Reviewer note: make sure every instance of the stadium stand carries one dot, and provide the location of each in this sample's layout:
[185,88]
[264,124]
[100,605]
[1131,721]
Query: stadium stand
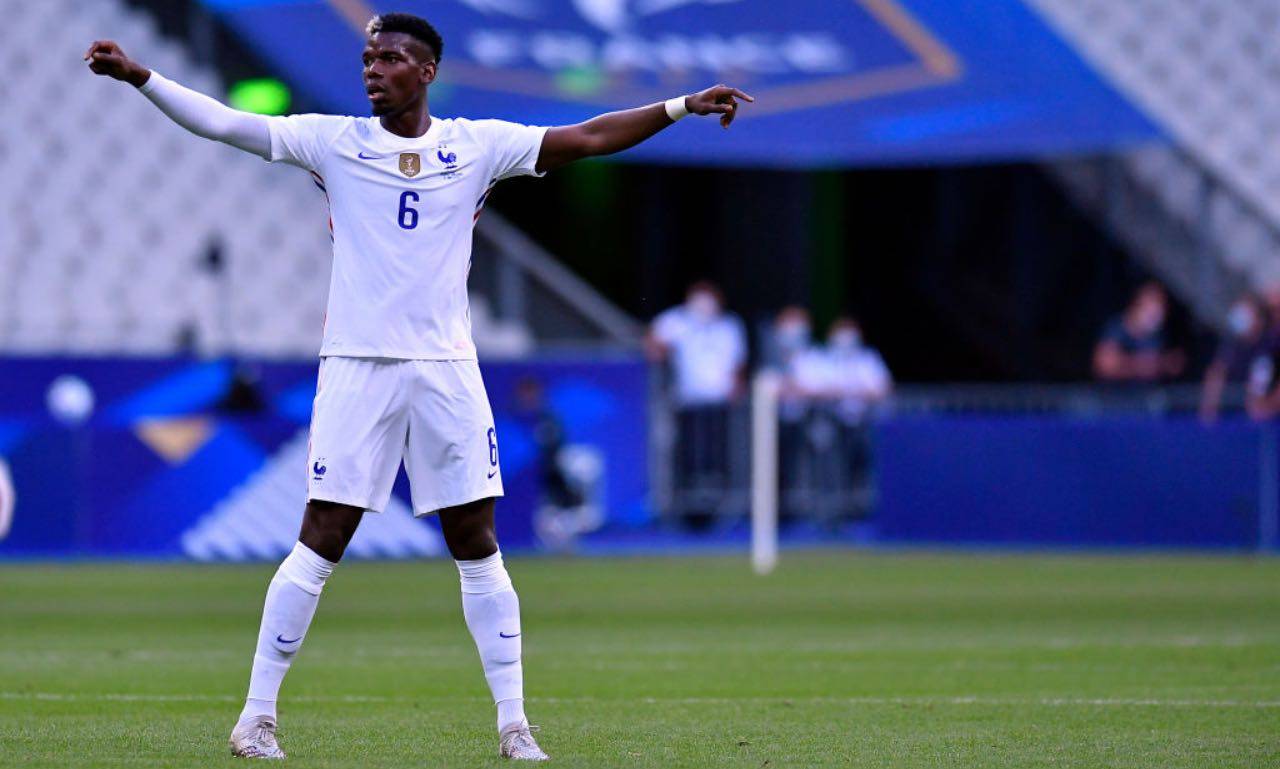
[133,237]
[98,277]
[1205,70]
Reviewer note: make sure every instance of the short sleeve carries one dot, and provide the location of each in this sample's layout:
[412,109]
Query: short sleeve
[304,140]
[513,149]
[880,376]
[667,326]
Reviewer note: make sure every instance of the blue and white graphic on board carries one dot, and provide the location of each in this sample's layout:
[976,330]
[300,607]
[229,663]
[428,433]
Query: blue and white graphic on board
[836,81]
[260,519]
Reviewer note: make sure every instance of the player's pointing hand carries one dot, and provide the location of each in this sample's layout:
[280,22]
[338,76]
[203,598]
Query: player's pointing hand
[105,57]
[717,100]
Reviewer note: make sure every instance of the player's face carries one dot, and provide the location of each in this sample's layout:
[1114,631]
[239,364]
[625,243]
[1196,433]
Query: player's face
[397,70]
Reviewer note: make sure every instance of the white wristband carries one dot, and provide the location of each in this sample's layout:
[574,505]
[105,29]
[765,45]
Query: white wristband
[676,108]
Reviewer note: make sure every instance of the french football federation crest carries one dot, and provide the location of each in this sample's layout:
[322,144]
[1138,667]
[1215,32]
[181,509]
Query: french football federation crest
[410,163]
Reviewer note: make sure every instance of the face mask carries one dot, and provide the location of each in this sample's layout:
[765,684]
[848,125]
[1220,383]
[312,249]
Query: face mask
[704,306]
[846,339]
[1240,321]
[793,334]
[1150,320]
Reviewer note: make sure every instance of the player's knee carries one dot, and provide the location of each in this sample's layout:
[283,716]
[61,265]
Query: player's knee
[474,546]
[327,528]
[471,542]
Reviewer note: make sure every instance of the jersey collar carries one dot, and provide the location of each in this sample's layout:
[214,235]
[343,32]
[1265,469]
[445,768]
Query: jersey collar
[406,142]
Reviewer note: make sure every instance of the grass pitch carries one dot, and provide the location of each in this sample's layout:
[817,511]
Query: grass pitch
[839,659]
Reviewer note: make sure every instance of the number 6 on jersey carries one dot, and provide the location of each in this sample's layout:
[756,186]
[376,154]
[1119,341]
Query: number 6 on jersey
[408,216]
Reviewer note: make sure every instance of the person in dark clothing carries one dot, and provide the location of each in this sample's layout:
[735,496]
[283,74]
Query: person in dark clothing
[548,433]
[1132,348]
[1246,338]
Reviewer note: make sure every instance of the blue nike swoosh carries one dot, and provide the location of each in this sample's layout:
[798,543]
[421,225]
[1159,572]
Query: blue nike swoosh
[363,156]
[495,472]
[281,639]
[504,635]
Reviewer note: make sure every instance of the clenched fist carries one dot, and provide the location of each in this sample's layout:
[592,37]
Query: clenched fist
[107,58]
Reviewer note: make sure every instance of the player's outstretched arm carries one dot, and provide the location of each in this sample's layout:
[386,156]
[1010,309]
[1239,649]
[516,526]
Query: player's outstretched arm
[617,131]
[190,109]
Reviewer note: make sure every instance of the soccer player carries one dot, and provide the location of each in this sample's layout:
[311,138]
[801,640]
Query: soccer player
[398,375]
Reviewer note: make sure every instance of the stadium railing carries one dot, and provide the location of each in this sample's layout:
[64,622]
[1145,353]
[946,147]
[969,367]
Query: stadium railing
[772,463]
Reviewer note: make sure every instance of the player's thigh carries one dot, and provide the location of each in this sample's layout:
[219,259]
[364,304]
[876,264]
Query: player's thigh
[358,430]
[452,452]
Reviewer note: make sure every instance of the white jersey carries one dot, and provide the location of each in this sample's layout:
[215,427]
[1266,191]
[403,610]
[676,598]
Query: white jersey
[402,212]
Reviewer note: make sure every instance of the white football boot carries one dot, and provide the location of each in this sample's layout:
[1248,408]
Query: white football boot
[255,738]
[516,741]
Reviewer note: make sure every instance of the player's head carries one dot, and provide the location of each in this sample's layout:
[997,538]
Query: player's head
[400,59]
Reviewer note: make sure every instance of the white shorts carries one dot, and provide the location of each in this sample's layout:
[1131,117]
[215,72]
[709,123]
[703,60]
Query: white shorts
[370,413]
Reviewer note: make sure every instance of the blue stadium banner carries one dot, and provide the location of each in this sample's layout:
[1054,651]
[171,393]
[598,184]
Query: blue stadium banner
[152,461]
[838,82]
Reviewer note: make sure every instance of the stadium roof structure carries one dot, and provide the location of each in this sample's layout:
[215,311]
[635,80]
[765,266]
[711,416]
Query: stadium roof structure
[838,82]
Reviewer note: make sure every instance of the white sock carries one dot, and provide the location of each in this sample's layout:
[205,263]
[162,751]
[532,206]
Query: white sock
[292,597]
[492,611]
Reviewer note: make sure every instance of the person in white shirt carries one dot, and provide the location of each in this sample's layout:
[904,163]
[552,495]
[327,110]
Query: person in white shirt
[787,346]
[857,382]
[398,374]
[843,381]
[706,348]
[856,376]
[788,336]
[705,345]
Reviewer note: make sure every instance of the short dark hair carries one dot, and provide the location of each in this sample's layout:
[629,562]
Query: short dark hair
[414,26]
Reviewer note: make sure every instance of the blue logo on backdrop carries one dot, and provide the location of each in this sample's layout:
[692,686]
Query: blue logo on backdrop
[879,81]
[817,53]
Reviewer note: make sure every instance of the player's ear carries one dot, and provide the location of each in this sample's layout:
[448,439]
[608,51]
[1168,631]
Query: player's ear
[428,75]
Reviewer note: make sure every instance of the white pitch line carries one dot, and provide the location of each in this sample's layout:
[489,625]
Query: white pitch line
[927,701]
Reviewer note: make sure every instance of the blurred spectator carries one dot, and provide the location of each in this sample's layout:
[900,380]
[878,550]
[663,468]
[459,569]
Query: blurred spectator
[1237,350]
[567,475]
[706,348]
[860,382]
[1132,347]
[1262,390]
[244,392]
[787,341]
[788,335]
[844,380]
[548,434]
[859,379]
